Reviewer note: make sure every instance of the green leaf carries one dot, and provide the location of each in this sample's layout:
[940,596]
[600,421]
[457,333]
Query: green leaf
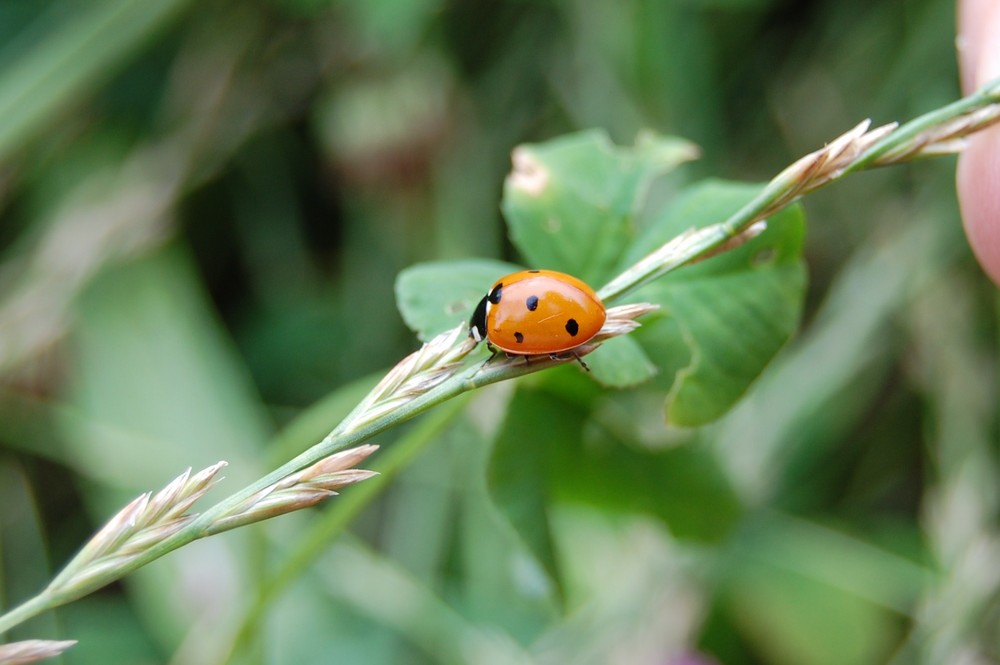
[518,472]
[620,363]
[157,386]
[839,628]
[437,296]
[549,450]
[314,422]
[855,591]
[729,314]
[569,202]
[45,76]
[24,544]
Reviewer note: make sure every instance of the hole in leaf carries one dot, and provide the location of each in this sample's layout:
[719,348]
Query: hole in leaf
[764,257]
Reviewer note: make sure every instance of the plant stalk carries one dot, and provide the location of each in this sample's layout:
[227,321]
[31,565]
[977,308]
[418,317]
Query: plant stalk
[26,610]
[685,249]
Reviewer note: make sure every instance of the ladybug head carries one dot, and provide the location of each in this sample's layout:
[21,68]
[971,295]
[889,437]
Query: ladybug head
[477,324]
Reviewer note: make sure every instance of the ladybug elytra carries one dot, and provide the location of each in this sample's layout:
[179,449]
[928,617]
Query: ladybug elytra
[536,312]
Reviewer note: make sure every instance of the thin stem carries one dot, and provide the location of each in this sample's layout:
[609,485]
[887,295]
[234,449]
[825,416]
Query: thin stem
[316,540]
[26,610]
[987,95]
[789,186]
[472,377]
[855,151]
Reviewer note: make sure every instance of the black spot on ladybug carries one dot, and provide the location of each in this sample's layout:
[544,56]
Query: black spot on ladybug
[532,303]
[572,327]
[518,337]
[495,294]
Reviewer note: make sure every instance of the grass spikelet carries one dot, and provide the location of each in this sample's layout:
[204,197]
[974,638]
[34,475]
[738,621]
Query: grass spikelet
[946,138]
[822,166]
[147,520]
[622,320]
[298,490]
[32,651]
[417,373]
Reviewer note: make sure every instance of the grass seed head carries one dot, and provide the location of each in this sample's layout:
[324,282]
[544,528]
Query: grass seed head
[31,651]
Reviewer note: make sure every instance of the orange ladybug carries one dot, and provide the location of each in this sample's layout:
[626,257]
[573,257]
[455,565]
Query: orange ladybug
[537,312]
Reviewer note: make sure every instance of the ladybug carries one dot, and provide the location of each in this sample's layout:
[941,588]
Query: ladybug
[536,312]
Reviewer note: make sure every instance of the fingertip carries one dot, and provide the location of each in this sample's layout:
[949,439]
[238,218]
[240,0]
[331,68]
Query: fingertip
[978,42]
[967,39]
[978,184]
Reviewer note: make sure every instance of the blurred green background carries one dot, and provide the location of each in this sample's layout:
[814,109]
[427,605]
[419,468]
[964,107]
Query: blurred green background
[203,208]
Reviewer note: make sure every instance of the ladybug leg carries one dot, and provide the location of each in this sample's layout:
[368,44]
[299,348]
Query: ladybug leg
[527,358]
[574,355]
[493,353]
